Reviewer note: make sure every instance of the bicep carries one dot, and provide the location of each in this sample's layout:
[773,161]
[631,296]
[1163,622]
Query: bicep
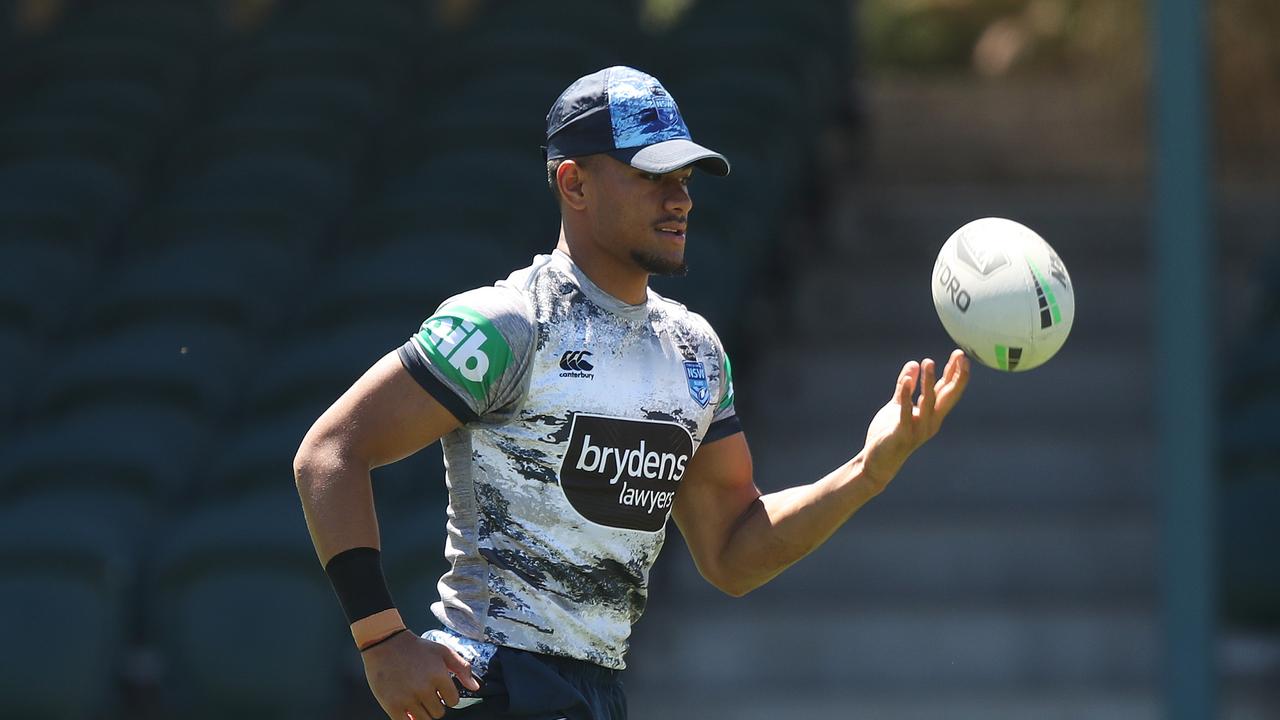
[716,493]
[383,417]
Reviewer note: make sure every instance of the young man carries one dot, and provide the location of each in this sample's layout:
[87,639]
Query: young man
[577,409]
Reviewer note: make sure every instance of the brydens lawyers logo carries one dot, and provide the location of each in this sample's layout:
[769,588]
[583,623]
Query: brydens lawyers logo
[624,473]
[575,364]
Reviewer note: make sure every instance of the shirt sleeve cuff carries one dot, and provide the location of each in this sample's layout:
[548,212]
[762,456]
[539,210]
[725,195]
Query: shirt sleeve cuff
[721,429]
[435,387]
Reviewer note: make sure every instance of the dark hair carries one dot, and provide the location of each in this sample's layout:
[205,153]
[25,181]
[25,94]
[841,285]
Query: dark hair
[553,166]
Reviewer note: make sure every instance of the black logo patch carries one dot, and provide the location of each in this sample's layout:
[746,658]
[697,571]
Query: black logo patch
[624,473]
[576,360]
[575,364]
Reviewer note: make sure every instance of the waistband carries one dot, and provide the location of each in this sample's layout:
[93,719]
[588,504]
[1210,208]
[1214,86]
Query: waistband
[568,666]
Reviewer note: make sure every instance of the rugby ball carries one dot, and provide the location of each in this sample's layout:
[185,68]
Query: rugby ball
[1003,294]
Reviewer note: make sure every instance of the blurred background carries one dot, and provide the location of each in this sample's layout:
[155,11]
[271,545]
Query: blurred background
[215,214]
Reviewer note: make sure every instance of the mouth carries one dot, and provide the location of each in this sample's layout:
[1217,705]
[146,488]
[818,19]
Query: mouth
[675,232]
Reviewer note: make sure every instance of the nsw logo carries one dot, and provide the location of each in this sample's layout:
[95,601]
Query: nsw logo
[624,473]
[574,363]
[696,374]
[984,261]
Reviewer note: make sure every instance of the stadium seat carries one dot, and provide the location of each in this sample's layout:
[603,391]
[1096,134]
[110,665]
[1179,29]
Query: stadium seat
[340,104]
[191,366]
[120,105]
[95,195]
[491,53]
[190,25]
[312,365]
[21,352]
[286,182]
[44,277]
[417,271]
[141,449]
[242,614]
[515,206]
[390,23]
[239,285]
[47,134]
[332,143]
[291,231]
[496,112]
[326,54]
[166,68]
[258,456]
[64,583]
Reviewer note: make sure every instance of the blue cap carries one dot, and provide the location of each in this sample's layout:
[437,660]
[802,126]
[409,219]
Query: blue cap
[627,114]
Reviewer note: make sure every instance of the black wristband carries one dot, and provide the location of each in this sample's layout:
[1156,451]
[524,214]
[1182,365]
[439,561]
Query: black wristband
[357,577]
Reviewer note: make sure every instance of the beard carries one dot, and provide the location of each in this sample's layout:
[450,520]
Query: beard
[658,265]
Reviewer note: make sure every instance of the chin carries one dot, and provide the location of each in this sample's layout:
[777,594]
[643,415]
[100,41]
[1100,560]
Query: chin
[659,265]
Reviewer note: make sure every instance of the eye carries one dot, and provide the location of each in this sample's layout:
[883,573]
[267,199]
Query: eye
[651,177]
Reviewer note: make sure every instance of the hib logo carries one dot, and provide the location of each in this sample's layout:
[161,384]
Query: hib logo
[624,473]
[983,261]
[465,347]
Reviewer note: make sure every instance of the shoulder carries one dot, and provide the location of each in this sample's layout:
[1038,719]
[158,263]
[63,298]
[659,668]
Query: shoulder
[681,317]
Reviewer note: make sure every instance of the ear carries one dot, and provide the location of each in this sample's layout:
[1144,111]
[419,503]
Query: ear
[569,178]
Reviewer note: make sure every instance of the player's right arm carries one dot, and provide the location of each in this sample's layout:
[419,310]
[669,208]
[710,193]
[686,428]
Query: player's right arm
[385,416]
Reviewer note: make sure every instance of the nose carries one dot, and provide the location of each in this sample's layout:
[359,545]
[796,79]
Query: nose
[678,200]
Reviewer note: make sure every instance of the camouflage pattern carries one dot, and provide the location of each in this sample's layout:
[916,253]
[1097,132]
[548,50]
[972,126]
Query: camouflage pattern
[530,571]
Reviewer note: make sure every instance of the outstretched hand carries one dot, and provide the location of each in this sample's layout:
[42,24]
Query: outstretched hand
[901,425]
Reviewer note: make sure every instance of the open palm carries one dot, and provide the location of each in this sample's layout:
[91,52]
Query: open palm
[901,425]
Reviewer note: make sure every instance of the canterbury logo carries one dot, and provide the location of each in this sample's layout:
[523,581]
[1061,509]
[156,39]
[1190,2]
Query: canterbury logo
[575,361]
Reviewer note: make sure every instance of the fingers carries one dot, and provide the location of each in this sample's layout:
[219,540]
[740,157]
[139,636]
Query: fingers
[448,692]
[906,387]
[927,391]
[430,708]
[955,380]
[461,669]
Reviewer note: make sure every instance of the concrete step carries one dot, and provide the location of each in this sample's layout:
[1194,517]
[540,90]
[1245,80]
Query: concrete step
[830,642]
[843,384]
[964,469]
[841,703]
[894,221]
[965,559]
[878,300]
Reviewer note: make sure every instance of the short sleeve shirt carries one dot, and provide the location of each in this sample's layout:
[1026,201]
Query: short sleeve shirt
[580,414]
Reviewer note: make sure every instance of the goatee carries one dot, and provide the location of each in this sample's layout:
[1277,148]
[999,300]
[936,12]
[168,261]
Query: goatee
[658,265]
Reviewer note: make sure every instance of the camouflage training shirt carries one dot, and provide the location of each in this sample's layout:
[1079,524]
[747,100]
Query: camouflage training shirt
[580,414]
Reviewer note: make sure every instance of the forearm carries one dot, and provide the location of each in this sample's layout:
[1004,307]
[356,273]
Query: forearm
[781,527]
[337,498]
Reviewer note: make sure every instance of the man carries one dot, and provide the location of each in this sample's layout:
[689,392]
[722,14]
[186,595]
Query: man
[577,410]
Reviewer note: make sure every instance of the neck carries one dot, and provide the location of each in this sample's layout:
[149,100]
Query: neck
[620,278]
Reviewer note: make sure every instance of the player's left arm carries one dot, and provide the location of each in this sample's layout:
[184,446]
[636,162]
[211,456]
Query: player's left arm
[741,539]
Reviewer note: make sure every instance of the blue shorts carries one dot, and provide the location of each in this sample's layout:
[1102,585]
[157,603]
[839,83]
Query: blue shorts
[521,684]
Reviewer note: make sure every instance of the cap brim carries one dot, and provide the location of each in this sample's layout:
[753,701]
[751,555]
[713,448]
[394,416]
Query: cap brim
[671,155]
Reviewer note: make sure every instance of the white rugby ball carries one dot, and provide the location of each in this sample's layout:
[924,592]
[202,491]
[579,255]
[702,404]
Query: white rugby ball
[1003,294]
